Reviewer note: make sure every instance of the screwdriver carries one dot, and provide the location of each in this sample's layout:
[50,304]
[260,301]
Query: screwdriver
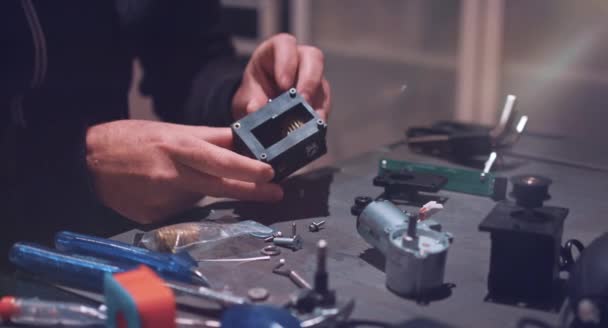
[179,267]
[36,312]
[88,273]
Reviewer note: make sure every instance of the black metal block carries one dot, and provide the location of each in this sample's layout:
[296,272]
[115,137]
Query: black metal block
[525,251]
[286,133]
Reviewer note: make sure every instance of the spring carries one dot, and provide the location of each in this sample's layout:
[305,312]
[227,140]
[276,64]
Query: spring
[171,237]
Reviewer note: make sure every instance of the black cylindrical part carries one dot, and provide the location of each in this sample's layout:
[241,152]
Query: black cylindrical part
[530,191]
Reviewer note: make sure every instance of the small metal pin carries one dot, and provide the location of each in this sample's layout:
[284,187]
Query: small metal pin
[322,256]
[488,165]
[315,226]
[292,92]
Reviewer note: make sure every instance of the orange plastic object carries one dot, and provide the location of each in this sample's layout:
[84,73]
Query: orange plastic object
[8,308]
[154,301]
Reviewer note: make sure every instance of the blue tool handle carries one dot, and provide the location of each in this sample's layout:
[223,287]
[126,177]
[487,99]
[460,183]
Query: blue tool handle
[169,266]
[62,268]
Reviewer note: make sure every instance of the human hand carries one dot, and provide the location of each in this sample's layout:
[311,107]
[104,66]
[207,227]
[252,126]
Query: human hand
[277,65]
[148,170]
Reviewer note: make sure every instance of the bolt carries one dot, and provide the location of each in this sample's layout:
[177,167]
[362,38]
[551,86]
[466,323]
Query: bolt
[315,226]
[294,243]
[292,92]
[294,230]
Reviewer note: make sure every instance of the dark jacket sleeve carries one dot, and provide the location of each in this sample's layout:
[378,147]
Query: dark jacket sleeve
[189,64]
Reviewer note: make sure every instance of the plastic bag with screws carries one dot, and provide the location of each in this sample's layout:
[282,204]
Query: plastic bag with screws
[184,236]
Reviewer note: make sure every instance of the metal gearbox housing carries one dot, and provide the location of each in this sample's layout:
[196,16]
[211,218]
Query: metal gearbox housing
[415,266]
[287,133]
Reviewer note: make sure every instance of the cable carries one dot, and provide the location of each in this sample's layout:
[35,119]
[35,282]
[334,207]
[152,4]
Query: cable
[566,259]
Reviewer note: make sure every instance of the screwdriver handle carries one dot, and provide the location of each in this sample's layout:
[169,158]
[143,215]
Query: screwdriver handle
[169,266]
[61,268]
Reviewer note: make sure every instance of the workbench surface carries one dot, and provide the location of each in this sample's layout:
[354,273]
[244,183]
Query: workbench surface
[356,270]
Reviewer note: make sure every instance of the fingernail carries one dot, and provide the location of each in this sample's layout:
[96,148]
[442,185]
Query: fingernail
[285,82]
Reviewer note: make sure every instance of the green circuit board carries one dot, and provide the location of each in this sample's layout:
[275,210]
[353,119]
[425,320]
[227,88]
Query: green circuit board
[459,180]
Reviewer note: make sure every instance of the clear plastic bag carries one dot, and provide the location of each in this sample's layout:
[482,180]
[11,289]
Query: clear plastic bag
[184,236]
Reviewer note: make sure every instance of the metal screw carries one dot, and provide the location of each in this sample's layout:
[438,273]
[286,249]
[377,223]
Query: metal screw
[293,230]
[294,243]
[315,226]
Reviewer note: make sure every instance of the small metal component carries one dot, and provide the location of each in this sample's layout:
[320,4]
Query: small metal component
[315,226]
[269,239]
[488,165]
[278,234]
[530,191]
[412,225]
[236,125]
[292,126]
[294,243]
[292,92]
[258,294]
[294,230]
[291,274]
[270,250]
